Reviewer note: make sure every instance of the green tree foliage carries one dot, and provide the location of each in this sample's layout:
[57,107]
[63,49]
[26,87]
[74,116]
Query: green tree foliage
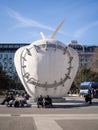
[85,74]
[94,61]
[5,81]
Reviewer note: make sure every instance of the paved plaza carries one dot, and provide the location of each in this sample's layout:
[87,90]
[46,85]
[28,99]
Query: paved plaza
[73,114]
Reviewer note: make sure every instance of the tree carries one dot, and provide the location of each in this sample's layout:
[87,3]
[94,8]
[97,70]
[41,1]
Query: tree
[81,76]
[94,61]
[5,81]
[85,74]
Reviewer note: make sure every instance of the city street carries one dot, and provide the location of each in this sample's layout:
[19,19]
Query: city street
[73,114]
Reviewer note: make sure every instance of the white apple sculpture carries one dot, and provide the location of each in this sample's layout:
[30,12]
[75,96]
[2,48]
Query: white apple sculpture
[46,67]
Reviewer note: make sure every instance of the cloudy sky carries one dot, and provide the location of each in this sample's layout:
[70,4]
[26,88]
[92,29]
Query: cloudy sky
[21,21]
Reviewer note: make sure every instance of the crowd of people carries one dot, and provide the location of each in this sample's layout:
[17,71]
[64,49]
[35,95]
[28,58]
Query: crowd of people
[15,100]
[20,100]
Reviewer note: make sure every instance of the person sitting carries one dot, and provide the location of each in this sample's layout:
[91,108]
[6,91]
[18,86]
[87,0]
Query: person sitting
[8,98]
[23,100]
[48,101]
[40,101]
[11,100]
[26,96]
[17,101]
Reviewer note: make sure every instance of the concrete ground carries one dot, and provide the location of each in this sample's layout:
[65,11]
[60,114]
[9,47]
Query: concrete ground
[73,114]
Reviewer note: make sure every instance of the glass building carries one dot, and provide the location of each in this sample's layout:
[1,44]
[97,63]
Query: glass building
[7,52]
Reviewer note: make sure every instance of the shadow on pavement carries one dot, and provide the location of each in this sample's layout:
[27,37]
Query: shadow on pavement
[70,106]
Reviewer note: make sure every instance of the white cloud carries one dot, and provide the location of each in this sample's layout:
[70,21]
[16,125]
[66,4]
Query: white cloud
[26,22]
[23,22]
[83,30]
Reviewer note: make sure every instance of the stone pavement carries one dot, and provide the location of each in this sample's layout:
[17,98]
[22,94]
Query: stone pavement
[73,114]
[48,121]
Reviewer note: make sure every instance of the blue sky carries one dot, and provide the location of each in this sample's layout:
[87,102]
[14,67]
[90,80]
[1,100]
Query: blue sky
[21,21]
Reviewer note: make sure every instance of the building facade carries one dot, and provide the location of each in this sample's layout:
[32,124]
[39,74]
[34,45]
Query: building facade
[7,52]
[85,52]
